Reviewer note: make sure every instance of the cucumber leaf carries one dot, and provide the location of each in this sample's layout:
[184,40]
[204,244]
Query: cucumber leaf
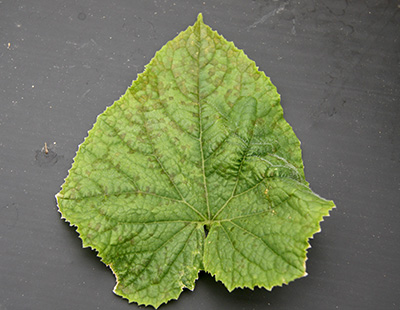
[194,168]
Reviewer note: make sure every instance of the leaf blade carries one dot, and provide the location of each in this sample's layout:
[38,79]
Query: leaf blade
[197,144]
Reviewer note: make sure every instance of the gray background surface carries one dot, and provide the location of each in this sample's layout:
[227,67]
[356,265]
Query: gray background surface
[336,65]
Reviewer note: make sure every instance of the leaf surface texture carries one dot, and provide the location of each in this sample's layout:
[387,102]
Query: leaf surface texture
[194,168]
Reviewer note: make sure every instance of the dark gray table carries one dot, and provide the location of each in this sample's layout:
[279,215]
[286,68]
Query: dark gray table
[336,65]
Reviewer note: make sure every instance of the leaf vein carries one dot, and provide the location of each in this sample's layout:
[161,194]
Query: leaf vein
[164,170]
[173,261]
[237,181]
[201,134]
[267,245]
[238,251]
[124,193]
[108,160]
[154,253]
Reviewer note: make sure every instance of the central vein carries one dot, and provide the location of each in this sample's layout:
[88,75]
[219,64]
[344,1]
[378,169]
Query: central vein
[201,129]
[202,165]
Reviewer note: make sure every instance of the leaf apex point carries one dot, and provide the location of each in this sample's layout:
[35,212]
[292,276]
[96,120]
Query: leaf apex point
[200,18]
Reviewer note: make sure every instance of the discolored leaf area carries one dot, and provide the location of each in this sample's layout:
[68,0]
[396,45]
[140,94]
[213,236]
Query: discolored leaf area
[194,168]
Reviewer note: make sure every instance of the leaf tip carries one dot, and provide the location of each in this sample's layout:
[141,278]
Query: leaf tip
[199,18]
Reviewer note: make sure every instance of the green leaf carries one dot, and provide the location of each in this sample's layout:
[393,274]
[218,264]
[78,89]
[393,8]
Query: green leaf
[194,168]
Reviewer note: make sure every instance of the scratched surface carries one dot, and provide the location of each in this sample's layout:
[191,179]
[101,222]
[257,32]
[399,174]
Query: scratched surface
[336,65]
